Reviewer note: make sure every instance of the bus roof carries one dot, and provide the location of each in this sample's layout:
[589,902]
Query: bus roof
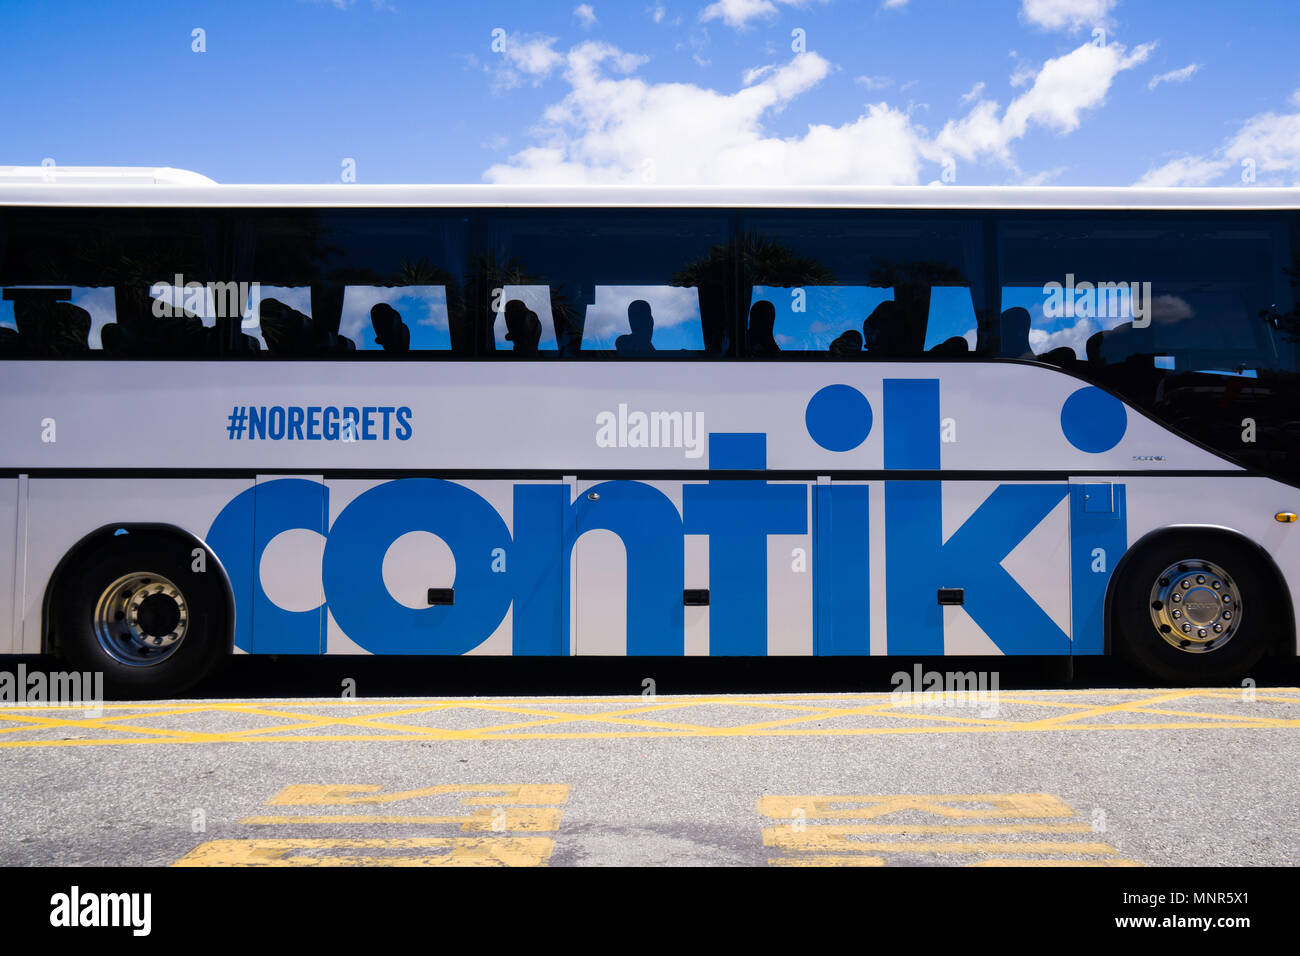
[164,186]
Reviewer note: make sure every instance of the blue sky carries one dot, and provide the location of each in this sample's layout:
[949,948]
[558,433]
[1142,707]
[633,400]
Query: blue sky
[888,91]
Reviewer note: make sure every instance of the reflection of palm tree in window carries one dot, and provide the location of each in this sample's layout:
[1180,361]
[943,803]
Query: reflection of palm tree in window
[641,321]
[765,262]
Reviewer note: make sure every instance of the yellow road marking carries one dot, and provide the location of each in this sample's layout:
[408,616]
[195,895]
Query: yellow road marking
[506,818]
[837,839]
[456,851]
[304,721]
[1011,861]
[1002,805]
[513,819]
[1037,820]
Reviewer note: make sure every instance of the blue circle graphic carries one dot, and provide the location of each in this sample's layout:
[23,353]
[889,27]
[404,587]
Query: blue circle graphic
[838,418]
[1093,420]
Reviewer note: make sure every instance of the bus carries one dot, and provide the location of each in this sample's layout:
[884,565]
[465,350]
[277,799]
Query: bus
[645,420]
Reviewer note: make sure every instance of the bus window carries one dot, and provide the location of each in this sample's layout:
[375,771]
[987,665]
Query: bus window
[1185,316]
[109,283]
[613,285]
[859,282]
[355,282]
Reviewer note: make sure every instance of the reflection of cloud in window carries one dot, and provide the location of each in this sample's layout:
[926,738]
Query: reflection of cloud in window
[1073,332]
[535,297]
[101,305]
[676,312]
[423,309]
[1170,308]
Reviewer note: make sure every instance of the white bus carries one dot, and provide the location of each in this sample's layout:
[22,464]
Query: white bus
[645,421]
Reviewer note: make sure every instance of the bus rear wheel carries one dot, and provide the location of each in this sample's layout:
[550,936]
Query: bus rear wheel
[138,611]
[1194,609]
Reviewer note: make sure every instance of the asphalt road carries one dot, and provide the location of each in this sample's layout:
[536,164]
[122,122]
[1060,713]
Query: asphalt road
[798,766]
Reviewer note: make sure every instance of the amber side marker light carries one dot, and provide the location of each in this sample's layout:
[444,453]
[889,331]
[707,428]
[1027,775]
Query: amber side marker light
[1286,517]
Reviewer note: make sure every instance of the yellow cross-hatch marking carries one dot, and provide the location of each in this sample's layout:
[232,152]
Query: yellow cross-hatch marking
[360,721]
[807,841]
[507,822]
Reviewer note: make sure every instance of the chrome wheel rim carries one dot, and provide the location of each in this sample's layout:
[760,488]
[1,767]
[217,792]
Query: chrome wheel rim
[1195,606]
[141,619]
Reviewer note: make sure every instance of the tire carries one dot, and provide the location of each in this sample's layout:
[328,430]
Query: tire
[137,611]
[1175,592]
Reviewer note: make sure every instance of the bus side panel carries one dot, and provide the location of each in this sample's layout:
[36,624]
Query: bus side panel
[11,564]
[63,511]
[1243,505]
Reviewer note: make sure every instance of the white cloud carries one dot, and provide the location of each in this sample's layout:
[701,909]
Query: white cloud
[874,82]
[893,4]
[738,13]
[974,93]
[1066,14]
[1174,76]
[527,57]
[585,14]
[1062,90]
[657,13]
[619,129]
[1267,146]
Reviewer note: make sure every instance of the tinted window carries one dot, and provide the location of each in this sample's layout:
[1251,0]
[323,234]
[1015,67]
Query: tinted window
[110,283]
[354,282]
[1191,317]
[861,283]
[617,284]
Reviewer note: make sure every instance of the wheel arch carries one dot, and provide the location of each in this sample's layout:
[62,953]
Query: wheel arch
[104,535]
[1284,641]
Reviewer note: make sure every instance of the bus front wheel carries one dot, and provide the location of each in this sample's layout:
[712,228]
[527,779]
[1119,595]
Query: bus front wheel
[139,611]
[1194,609]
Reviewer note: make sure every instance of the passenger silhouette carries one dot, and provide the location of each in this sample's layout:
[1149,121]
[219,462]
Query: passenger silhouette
[848,344]
[48,326]
[391,333]
[523,327]
[1014,334]
[882,332]
[762,322]
[642,324]
[288,332]
[957,345]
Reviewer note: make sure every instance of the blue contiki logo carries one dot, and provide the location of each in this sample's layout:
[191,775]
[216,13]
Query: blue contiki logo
[736,515]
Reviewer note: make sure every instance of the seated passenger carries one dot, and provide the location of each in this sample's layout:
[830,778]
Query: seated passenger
[50,328]
[642,324]
[523,328]
[1062,357]
[761,340]
[882,332]
[957,345]
[391,333]
[847,345]
[1014,338]
[288,332]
